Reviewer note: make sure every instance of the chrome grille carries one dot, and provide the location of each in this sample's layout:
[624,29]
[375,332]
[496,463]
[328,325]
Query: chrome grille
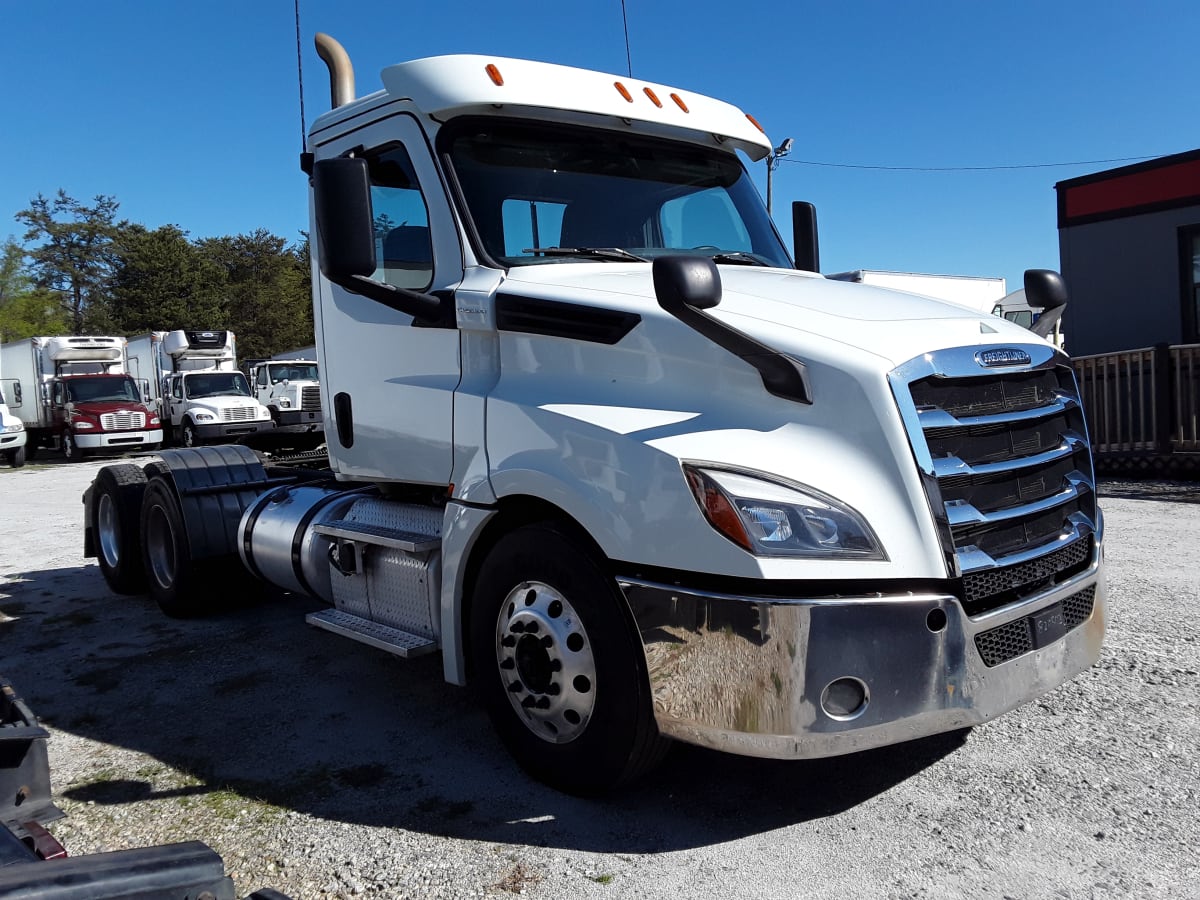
[1007,469]
[122,421]
[310,399]
[239,414]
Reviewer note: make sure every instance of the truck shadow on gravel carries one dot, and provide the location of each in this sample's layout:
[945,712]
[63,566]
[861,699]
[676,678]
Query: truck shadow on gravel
[255,704]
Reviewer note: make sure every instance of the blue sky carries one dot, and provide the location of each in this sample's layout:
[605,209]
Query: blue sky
[189,113]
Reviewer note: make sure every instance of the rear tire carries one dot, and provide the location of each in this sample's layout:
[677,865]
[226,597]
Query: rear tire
[171,576]
[558,664]
[116,525]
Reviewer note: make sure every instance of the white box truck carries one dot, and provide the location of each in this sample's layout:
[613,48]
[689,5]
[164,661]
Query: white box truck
[191,377]
[72,392]
[291,389]
[980,293]
[12,429]
[594,439]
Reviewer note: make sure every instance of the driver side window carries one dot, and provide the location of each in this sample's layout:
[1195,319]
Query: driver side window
[403,244]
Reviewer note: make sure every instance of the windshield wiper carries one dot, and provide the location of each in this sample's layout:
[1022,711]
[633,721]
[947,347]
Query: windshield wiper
[616,254]
[737,258]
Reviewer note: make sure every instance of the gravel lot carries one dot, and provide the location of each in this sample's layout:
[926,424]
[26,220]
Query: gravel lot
[328,769]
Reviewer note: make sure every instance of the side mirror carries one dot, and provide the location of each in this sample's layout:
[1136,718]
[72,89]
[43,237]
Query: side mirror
[681,281]
[805,247]
[1046,289]
[345,227]
[346,239]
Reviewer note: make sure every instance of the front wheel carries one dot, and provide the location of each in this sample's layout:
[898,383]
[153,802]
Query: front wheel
[16,458]
[187,434]
[558,664]
[71,450]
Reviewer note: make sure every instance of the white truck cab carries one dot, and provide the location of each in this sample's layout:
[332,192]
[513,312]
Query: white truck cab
[210,406]
[291,390]
[594,438]
[12,430]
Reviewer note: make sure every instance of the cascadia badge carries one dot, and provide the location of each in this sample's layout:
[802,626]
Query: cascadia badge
[1005,356]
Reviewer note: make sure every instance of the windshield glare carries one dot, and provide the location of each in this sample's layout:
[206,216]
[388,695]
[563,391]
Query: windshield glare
[217,384]
[117,388]
[529,186]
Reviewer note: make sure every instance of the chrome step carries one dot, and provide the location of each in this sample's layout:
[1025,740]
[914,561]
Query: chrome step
[380,536]
[393,640]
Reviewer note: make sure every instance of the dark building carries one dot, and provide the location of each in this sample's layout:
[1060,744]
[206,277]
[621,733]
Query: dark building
[1129,245]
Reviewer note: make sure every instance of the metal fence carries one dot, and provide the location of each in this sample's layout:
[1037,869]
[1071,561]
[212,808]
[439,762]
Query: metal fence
[1142,402]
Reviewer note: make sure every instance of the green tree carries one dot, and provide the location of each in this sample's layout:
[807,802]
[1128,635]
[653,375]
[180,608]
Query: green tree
[161,280]
[73,257]
[266,289]
[25,310]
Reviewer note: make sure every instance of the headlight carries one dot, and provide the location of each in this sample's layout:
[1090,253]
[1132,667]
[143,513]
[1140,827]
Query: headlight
[264,413]
[13,428]
[772,518]
[203,416]
[82,423]
[154,420]
[285,403]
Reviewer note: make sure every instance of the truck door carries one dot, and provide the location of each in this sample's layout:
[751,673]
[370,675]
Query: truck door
[58,406]
[173,394]
[387,382]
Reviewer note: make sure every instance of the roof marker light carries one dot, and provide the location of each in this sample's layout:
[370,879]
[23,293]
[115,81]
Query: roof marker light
[679,102]
[623,91]
[653,98]
[754,122]
[494,74]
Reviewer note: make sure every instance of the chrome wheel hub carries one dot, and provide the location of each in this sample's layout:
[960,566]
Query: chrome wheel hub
[106,524]
[545,661]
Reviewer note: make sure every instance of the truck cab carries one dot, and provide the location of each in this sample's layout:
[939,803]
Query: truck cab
[212,406]
[291,390]
[596,440]
[12,430]
[101,412]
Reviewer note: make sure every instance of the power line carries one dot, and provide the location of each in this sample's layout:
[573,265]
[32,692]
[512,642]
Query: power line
[1085,162]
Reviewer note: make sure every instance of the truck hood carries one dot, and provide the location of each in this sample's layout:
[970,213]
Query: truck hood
[231,401]
[102,407]
[894,325]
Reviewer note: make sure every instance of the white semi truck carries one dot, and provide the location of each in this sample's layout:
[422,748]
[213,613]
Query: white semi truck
[191,377]
[72,392]
[596,440]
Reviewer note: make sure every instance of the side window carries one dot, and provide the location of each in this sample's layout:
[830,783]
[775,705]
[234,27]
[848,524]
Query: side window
[58,393]
[531,224]
[403,245]
[262,377]
[177,389]
[704,219]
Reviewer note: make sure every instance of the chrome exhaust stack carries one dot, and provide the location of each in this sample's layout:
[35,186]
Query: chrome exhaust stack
[341,71]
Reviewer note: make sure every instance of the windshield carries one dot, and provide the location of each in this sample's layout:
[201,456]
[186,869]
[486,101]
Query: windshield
[113,387]
[293,372]
[541,194]
[217,384]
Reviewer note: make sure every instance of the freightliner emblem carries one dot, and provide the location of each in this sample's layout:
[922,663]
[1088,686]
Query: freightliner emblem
[1006,356]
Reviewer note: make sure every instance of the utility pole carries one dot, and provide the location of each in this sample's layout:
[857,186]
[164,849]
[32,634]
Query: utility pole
[773,159]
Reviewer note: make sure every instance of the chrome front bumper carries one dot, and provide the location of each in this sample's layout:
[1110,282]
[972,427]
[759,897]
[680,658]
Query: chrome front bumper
[117,440]
[779,678]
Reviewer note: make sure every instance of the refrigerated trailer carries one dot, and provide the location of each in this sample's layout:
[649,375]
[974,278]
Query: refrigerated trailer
[596,441]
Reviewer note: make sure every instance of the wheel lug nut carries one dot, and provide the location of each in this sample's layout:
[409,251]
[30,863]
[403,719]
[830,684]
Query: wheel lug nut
[554,690]
[516,687]
[547,641]
[508,641]
[508,664]
[555,665]
[529,702]
[542,702]
[532,628]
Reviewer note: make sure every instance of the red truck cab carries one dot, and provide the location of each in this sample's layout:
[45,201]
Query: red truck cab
[102,413]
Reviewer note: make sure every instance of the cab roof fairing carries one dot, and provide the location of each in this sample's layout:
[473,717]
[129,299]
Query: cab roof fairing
[445,86]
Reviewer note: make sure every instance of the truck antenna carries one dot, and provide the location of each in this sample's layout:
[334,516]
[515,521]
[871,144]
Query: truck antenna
[625,21]
[300,77]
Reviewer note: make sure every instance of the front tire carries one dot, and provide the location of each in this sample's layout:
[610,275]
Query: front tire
[16,458]
[558,664]
[116,525]
[72,452]
[187,434]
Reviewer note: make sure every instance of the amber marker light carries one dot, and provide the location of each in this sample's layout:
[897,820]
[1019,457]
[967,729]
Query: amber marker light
[623,91]
[717,508]
[653,97]
[754,122]
[494,74]
[679,102]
